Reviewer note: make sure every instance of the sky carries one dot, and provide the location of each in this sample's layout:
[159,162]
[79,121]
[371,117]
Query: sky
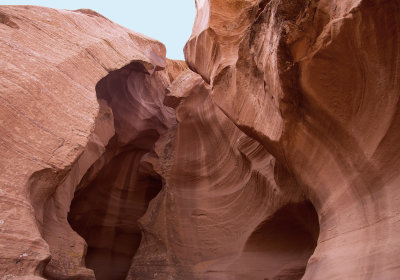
[169,21]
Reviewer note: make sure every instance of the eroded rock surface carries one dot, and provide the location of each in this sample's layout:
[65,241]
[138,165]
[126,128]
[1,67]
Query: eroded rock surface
[54,129]
[275,156]
[115,192]
[317,83]
[220,186]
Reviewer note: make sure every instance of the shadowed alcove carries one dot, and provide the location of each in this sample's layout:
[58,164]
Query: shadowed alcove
[106,211]
[281,246]
[116,190]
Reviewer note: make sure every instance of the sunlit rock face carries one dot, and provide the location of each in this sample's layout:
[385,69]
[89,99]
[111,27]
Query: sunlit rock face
[271,153]
[65,116]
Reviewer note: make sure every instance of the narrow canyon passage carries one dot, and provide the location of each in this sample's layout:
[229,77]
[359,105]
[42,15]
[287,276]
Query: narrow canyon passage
[271,153]
[105,213]
[116,190]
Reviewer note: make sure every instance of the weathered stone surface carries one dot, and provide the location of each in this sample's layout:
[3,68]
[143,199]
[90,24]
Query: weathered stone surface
[275,156]
[53,129]
[220,185]
[175,67]
[316,82]
[115,192]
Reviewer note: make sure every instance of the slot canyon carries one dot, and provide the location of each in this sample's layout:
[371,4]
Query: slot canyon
[271,153]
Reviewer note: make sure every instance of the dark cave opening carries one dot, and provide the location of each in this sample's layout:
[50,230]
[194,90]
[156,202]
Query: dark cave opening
[281,246]
[105,212]
[115,192]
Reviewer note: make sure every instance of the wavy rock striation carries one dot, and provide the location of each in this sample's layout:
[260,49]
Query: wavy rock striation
[116,190]
[58,116]
[317,83]
[220,186]
[272,154]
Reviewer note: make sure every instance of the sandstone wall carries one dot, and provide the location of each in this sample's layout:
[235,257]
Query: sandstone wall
[317,83]
[276,156]
[54,128]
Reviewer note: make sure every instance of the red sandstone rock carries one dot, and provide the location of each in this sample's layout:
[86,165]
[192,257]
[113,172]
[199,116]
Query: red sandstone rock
[53,129]
[220,185]
[316,83]
[275,157]
[175,67]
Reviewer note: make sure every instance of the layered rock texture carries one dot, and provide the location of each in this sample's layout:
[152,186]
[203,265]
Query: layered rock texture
[82,103]
[272,154]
